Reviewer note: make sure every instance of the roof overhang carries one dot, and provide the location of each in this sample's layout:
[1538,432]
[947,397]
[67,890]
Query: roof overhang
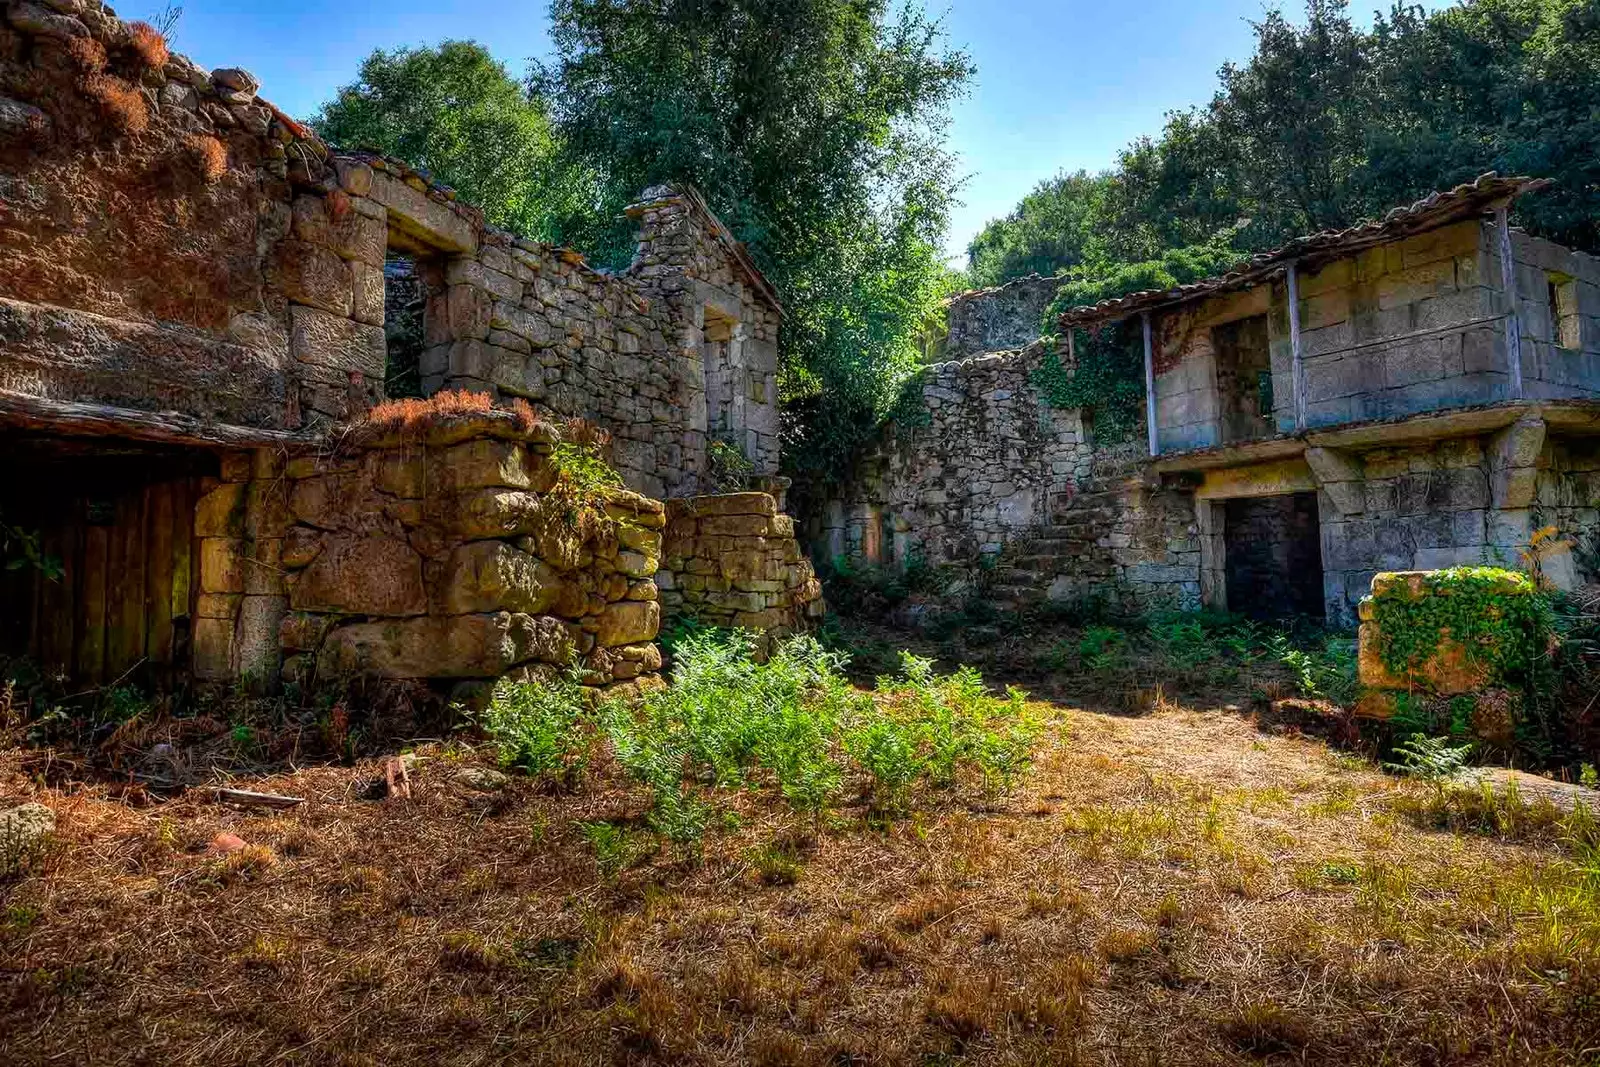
[1473,200]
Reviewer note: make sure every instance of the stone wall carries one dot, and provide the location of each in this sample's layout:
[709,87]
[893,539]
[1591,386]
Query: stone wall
[1561,342]
[172,243]
[994,320]
[732,560]
[1567,496]
[678,349]
[993,474]
[1462,501]
[443,554]
[144,204]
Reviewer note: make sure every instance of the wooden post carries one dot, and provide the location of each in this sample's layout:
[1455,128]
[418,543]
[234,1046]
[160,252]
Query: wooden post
[1297,373]
[1508,276]
[1150,386]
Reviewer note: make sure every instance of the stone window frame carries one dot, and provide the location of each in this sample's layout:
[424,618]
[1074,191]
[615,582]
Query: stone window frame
[1566,326]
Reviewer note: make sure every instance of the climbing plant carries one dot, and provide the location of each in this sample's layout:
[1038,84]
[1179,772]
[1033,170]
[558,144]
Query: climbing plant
[1108,380]
[1498,617]
[1109,377]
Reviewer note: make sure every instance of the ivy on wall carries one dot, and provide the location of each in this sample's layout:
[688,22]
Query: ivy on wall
[1108,381]
[1497,616]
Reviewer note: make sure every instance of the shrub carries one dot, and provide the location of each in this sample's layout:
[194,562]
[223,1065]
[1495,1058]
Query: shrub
[87,54]
[123,105]
[794,725]
[149,47]
[539,728]
[1103,648]
[209,156]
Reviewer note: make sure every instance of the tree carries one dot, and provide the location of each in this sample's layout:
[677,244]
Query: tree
[454,112]
[1061,224]
[815,129]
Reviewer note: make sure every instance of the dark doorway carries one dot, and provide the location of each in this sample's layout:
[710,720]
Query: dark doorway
[1273,546]
[405,299]
[1244,378]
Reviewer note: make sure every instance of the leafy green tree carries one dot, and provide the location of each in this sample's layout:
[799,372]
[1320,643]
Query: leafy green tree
[454,112]
[815,129]
[1060,225]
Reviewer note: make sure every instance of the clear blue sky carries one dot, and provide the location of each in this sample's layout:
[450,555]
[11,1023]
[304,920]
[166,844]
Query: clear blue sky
[1061,83]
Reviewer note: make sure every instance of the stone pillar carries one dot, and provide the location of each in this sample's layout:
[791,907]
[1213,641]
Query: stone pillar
[1211,523]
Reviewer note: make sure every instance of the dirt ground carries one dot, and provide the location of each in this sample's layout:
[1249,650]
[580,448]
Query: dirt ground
[1185,885]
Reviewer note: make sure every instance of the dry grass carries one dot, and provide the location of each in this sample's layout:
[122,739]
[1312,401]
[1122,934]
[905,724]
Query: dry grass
[411,417]
[1172,889]
[148,46]
[87,54]
[209,156]
[122,104]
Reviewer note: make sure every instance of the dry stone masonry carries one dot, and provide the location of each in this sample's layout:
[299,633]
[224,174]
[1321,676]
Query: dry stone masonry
[1430,398]
[193,283]
[733,561]
[994,477]
[446,555]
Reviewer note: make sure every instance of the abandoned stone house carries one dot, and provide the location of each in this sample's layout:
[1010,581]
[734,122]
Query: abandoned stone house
[192,331]
[1418,392]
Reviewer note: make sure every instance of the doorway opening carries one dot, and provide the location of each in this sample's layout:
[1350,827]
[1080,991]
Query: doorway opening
[1273,552]
[1244,379]
[101,579]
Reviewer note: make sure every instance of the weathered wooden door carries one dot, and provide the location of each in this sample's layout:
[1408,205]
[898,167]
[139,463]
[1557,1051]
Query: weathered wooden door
[121,529]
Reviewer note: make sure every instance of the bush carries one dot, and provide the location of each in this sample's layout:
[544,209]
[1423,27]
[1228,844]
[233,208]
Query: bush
[795,726]
[539,728]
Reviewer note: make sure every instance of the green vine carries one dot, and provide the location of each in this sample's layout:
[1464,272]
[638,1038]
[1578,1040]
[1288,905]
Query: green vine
[1498,617]
[1108,380]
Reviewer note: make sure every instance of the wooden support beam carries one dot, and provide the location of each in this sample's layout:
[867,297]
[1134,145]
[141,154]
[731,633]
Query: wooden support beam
[1297,375]
[1150,386]
[73,418]
[1508,277]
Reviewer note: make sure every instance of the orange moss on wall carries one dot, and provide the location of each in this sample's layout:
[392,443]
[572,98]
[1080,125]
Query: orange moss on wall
[121,104]
[148,46]
[87,54]
[209,156]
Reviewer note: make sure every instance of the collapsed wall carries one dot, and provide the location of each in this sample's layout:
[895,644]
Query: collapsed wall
[185,267]
[990,478]
[451,552]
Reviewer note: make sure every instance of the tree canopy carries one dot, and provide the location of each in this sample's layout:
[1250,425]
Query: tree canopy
[455,112]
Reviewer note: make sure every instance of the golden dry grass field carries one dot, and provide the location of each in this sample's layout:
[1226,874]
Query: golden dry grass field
[1182,886]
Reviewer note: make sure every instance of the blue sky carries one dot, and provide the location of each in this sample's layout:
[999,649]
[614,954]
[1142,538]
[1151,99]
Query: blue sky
[1061,83]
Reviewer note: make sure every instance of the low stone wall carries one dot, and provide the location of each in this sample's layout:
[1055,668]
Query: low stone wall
[1462,679]
[733,561]
[445,555]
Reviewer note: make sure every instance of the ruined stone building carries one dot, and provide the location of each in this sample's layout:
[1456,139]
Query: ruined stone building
[192,322]
[1418,392]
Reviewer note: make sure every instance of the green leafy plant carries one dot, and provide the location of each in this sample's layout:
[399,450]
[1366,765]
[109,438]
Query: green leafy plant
[540,728]
[1103,648]
[1433,759]
[1328,671]
[20,548]
[1497,617]
[614,846]
[731,470]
